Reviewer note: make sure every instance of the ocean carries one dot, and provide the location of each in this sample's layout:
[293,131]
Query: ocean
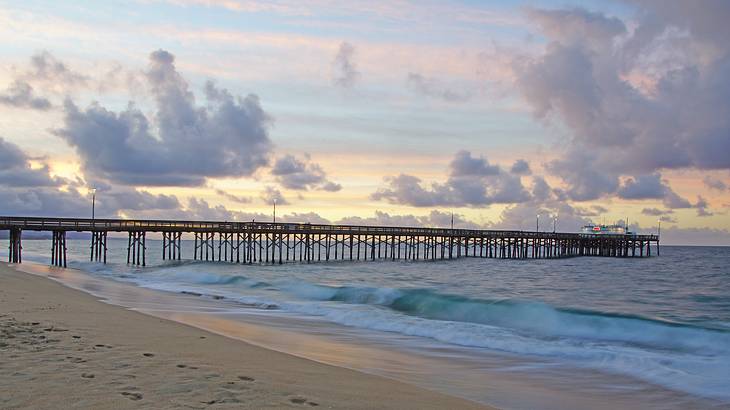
[570,333]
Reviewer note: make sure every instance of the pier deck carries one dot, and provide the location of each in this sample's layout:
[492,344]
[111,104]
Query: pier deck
[264,242]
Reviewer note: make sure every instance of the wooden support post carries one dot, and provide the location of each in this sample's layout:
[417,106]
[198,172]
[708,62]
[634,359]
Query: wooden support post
[309,253]
[144,249]
[351,239]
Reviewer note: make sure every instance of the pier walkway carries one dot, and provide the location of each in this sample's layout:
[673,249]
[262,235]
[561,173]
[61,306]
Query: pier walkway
[277,243]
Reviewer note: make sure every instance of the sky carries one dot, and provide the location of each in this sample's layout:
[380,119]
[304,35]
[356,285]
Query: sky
[373,112]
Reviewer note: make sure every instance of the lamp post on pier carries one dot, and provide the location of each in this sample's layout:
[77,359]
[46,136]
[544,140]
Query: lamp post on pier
[274,210]
[555,222]
[93,205]
[537,223]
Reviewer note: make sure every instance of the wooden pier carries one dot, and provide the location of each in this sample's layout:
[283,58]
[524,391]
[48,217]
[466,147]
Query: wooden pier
[277,243]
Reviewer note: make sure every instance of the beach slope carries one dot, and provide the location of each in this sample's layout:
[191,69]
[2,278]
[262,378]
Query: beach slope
[62,348]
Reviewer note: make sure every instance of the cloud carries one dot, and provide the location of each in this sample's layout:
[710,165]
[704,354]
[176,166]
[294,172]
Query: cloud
[577,25]
[44,67]
[226,138]
[464,164]
[435,219]
[593,210]
[656,211]
[521,167]
[16,170]
[677,118]
[553,211]
[433,88]
[714,183]
[270,195]
[34,192]
[702,206]
[20,94]
[234,198]
[651,187]
[695,236]
[307,217]
[345,73]
[673,201]
[136,200]
[472,182]
[585,182]
[293,173]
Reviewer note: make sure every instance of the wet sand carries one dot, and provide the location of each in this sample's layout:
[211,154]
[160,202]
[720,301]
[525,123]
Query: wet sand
[63,348]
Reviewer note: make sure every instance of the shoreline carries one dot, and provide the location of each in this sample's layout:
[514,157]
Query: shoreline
[81,352]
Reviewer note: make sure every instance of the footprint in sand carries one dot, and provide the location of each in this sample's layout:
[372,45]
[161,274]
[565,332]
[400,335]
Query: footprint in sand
[302,400]
[148,354]
[87,375]
[132,395]
[246,378]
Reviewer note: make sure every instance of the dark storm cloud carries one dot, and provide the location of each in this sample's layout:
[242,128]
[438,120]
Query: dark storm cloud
[293,173]
[680,120]
[345,73]
[433,88]
[226,138]
[20,94]
[472,182]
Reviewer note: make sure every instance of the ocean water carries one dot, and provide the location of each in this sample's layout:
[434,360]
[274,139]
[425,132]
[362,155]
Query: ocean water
[663,321]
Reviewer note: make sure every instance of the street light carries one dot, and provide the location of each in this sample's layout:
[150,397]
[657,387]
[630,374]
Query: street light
[93,204]
[555,222]
[274,210]
[537,223]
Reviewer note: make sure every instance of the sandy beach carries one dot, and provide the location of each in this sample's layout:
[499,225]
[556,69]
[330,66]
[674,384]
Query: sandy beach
[62,348]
